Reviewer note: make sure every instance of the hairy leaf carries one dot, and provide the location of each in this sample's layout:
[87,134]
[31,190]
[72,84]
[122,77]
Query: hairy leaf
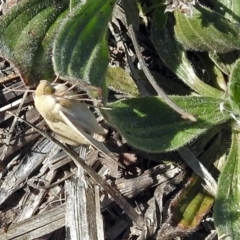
[224,61]
[230,9]
[206,30]
[120,81]
[150,125]
[215,76]
[80,50]
[36,33]
[174,56]
[26,34]
[234,88]
[227,205]
[191,205]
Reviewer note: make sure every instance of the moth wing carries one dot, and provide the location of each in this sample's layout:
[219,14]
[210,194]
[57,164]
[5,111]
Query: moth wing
[82,117]
[71,138]
[100,146]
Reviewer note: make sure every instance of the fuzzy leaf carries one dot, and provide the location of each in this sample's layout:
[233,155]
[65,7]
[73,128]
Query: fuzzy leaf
[227,205]
[224,61]
[174,56]
[206,30]
[131,11]
[150,125]
[191,205]
[230,9]
[234,88]
[80,50]
[216,77]
[26,34]
[120,81]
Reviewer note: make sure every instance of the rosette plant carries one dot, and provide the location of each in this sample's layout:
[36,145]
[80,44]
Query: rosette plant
[198,43]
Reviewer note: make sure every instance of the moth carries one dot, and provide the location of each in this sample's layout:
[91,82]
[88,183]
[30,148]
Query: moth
[71,120]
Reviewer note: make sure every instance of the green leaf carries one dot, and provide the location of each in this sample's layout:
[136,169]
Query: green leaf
[80,50]
[227,205]
[202,142]
[224,61]
[150,125]
[26,34]
[191,205]
[174,56]
[234,88]
[131,12]
[120,81]
[216,77]
[206,30]
[230,9]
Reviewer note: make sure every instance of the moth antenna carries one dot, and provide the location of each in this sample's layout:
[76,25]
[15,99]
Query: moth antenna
[61,94]
[73,86]
[85,99]
[55,80]
[99,107]
[77,95]
[64,91]
[70,96]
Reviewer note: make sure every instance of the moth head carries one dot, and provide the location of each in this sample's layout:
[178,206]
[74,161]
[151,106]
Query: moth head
[44,88]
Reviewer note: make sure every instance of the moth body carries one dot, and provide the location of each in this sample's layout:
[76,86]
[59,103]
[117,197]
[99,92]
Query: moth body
[71,120]
[53,102]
